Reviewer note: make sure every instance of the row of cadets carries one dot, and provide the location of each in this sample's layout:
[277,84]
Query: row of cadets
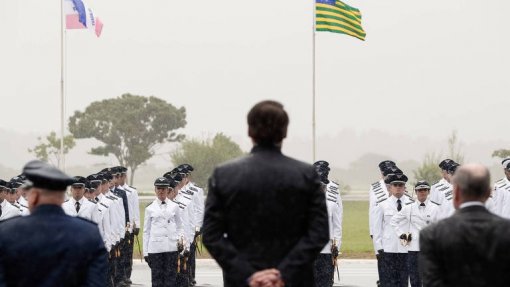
[392,255]
[7,209]
[324,265]
[198,212]
[163,234]
[377,193]
[133,227]
[408,223]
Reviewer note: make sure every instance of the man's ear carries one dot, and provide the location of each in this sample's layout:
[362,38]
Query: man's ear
[33,199]
[457,200]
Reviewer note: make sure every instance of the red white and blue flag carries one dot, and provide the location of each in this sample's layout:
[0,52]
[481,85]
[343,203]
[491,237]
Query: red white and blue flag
[79,16]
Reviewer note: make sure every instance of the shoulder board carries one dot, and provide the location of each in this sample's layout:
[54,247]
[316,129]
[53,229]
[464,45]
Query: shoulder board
[24,206]
[192,188]
[103,204]
[331,200]
[335,182]
[501,180]
[382,200]
[66,200]
[149,204]
[15,205]
[111,197]
[93,201]
[435,202]
[438,184]
[410,202]
[408,195]
[84,219]
[375,184]
[132,187]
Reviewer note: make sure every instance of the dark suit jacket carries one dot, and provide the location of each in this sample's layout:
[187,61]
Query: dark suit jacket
[470,248]
[265,210]
[50,248]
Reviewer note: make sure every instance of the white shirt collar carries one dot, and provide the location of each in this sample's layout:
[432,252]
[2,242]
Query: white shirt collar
[471,203]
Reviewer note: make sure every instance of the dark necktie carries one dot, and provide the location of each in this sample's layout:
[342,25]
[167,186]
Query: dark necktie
[77,206]
[97,199]
[399,205]
[422,204]
[163,202]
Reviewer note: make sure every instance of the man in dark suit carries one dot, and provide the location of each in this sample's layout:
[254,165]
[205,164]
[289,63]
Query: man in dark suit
[470,248]
[265,216]
[48,247]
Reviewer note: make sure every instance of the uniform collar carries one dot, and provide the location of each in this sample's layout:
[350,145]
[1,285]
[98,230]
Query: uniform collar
[159,201]
[73,201]
[266,148]
[48,209]
[4,202]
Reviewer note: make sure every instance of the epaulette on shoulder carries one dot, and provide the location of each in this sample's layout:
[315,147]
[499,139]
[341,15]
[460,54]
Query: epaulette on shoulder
[410,202]
[24,206]
[93,201]
[408,195]
[132,187]
[438,184]
[192,188]
[15,205]
[376,184]
[111,197]
[149,204]
[435,203]
[85,219]
[103,204]
[335,182]
[66,200]
[382,200]
[501,180]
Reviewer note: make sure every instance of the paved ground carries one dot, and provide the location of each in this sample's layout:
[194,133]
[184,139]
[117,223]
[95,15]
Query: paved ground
[353,272]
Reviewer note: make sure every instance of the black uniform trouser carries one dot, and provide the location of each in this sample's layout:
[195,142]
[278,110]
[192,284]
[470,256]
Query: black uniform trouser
[394,271]
[128,251]
[192,262]
[163,269]
[412,265]
[323,270]
[111,268]
[380,264]
[120,274]
[183,273]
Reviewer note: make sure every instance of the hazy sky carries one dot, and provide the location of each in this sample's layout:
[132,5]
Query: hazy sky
[427,67]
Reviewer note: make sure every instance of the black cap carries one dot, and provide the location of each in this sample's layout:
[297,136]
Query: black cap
[188,167]
[45,176]
[3,183]
[106,175]
[94,178]
[11,187]
[506,163]
[422,184]
[396,178]
[452,167]
[444,163]
[321,163]
[80,181]
[172,182]
[177,177]
[161,182]
[391,170]
[122,169]
[385,164]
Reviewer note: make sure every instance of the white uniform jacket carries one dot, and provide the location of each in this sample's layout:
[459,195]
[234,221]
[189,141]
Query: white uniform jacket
[335,225]
[377,193]
[384,234]
[434,190]
[162,227]
[501,197]
[413,218]
[135,204]
[87,209]
[8,210]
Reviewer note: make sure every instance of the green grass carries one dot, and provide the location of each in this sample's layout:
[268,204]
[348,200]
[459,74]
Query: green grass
[356,241]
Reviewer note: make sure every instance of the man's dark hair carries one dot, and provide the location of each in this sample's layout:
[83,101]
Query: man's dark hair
[267,123]
[472,185]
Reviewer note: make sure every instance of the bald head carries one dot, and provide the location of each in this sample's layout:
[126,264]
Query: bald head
[472,182]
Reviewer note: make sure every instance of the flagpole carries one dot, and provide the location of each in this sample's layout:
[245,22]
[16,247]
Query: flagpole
[313,87]
[61,161]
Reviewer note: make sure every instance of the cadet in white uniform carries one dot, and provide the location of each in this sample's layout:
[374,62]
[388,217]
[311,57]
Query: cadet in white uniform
[446,199]
[408,223]
[393,255]
[502,187]
[78,205]
[161,232]
[443,183]
[324,265]
[7,210]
